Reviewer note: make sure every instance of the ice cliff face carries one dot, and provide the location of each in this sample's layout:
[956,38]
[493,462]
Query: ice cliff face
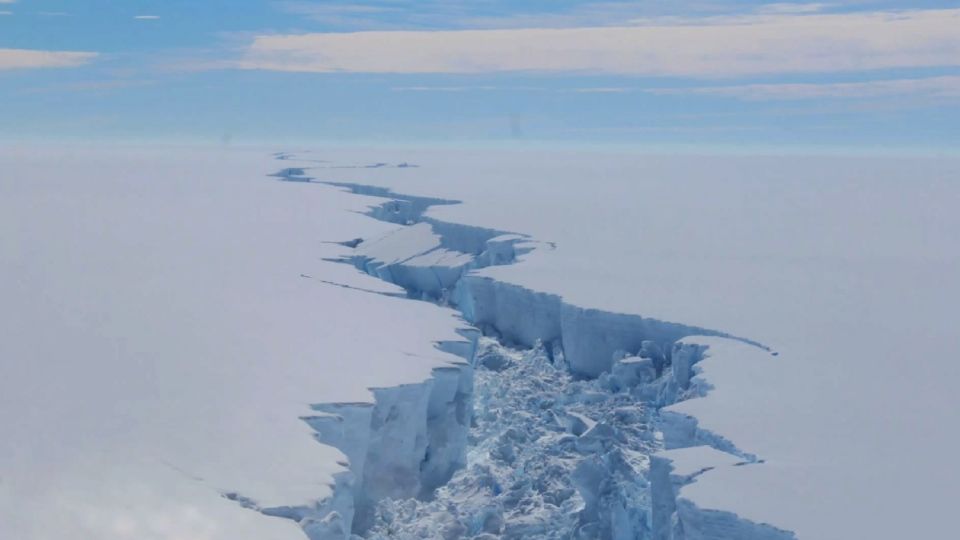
[407,443]
[552,426]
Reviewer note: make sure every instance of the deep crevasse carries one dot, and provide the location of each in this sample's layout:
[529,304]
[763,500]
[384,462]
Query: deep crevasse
[550,457]
[560,434]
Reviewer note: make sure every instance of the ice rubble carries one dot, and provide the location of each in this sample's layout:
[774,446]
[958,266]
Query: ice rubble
[545,431]
[550,457]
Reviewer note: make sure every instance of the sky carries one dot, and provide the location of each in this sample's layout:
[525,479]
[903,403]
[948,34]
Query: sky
[846,76]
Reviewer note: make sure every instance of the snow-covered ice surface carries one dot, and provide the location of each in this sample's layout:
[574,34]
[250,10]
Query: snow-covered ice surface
[164,330]
[175,313]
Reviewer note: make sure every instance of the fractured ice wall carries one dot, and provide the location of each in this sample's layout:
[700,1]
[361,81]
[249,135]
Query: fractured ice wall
[692,451]
[589,337]
[677,518]
[412,257]
[449,411]
[409,441]
[674,518]
[517,314]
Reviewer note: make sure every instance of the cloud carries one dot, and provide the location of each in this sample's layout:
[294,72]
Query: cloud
[27,58]
[8,1]
[436,14]
[602,90]
[947,87]
[490,88]
[322,11]
[444,88]
[347,16]
[91,87]
[463,15]
[2,13]
[146,17]
[589,14]
[789,7]
[708,47]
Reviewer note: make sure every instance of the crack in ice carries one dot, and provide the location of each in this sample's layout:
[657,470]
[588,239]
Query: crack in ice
[547,433]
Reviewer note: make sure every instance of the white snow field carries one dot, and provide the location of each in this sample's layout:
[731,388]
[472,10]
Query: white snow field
[677,347]
[160,345]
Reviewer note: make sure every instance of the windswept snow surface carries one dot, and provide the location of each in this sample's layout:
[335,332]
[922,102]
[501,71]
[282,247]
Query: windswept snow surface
[170,318]
[164,330]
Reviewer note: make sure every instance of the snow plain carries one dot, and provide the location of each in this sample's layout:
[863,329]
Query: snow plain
[163,342]
[160,344]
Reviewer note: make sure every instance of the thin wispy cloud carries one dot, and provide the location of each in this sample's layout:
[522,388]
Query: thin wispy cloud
[946,87]
[322,11]
[346,16]
[602,90]
[89,87]
[2,13]
[712,47]
[588,14]
[146,17]
[793,8]
[31,59]
[467,15]
[445,88]
[492,88]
